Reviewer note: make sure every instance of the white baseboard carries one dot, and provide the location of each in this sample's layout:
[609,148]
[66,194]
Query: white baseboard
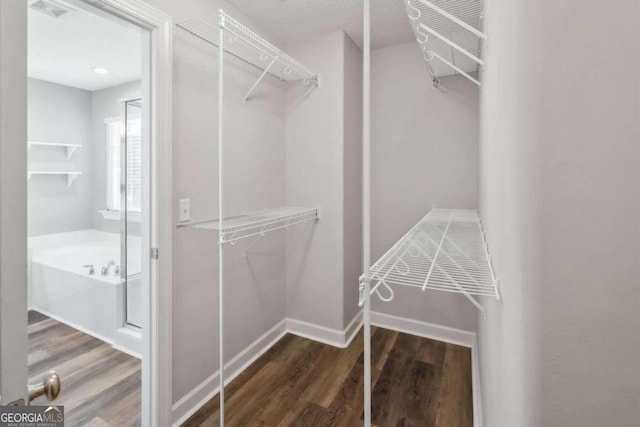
[335,337]
[129,341]
[475,380]
[196,398]
[353,327]
[73,325]
[424,329]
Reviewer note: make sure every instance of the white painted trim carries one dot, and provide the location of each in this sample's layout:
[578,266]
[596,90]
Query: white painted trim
[129,340]
[74,326]
[477,389]
[201,394]
[125,350]
[330,336]
[334,337]
[353,327]
[156,351]
[424,329]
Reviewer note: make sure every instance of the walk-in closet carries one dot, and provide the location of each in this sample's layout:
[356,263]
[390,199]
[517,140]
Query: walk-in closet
[286,201]
[337,213]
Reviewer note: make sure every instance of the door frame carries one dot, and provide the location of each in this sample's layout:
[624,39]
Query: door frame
[156,353]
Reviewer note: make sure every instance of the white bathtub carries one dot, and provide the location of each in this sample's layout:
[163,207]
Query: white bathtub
[61,287]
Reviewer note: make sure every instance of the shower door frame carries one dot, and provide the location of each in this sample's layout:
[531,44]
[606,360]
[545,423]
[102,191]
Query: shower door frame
[124,208]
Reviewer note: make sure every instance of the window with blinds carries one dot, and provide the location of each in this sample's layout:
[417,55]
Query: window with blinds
[133,161]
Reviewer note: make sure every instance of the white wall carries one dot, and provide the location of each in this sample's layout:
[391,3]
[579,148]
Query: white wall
[560,199]
[352,170]
[323,152]
[13,200]
[424,153]
[254,290]
[105,104]
[314,132]
[62,114]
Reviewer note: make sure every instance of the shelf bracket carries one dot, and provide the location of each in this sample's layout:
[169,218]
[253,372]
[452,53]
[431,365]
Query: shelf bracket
[362,294]
[70,150]
[264,73]
[255,241]
[70,178]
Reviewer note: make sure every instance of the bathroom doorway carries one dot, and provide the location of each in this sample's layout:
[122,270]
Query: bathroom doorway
[88,185]
[16,386]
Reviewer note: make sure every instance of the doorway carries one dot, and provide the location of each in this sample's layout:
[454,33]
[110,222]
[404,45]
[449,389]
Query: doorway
[88,134]
[45,165]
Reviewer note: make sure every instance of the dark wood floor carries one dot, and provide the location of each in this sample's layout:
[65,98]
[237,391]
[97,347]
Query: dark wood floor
[298,382]
[100,385]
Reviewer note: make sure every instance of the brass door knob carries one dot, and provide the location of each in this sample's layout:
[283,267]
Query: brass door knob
[50,387]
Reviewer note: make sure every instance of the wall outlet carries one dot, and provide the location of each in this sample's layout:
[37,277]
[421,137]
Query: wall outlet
[185,210]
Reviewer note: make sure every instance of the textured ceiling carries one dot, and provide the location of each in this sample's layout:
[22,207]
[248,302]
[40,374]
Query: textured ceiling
[292,20]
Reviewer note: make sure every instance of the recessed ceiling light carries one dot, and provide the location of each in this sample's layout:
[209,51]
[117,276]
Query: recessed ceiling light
[100,70]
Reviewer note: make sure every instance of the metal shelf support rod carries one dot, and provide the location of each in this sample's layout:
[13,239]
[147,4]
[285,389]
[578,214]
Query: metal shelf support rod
[264,73]
[220,200]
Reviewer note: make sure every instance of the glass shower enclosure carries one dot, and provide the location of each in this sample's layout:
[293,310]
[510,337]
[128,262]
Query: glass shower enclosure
[131,192]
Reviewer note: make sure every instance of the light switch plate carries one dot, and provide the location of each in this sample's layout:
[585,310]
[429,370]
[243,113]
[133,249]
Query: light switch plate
[185,210]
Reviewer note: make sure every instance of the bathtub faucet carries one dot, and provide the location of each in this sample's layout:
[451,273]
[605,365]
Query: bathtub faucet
[105,269]
[92,270]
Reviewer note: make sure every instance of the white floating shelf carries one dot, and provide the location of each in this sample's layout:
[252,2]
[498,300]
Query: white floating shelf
[257,223]
[71,176]
[445,251]
[71,148]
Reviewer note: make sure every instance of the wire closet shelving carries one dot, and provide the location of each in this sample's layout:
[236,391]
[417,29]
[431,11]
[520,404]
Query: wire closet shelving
[237,40]
[450,34]
[233,229]
[246,45]
[445,251]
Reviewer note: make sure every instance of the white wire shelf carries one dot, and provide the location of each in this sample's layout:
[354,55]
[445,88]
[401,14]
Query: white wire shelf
[257,223]
[245,44]
[450,35]
[445,251]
